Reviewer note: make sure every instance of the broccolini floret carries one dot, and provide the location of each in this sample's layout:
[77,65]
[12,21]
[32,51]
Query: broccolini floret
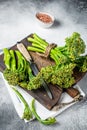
[35,82]
[14,78]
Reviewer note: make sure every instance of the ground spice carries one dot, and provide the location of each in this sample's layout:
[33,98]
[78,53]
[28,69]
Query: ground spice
[44,17]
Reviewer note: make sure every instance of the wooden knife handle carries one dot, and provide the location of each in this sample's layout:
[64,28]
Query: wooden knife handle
[24,51]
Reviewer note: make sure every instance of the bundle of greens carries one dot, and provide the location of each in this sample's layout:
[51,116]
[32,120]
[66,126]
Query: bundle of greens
[74,47]
[18,71]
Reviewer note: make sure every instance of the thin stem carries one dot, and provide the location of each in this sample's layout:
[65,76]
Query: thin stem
[30,48]
[38,43]
[40,39]
[37,46]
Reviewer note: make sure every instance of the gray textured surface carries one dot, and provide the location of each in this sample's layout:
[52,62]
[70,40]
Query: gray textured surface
[16,22]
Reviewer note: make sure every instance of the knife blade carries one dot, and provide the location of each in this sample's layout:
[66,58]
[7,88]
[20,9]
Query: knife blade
[33,66]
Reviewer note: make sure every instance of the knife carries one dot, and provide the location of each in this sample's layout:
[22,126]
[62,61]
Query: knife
[33,66]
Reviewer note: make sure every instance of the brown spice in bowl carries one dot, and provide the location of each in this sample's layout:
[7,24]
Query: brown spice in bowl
[44,17]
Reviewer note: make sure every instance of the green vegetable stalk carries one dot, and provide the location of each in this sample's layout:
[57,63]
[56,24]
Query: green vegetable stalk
[21,65]
[74,47]
[48,121]
[13,61]
[27,114]
[7,58]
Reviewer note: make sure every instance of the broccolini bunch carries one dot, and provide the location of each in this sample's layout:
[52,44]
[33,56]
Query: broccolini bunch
[18,71]
[74,47]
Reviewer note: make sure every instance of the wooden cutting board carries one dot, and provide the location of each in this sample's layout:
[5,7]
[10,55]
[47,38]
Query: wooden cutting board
[40,94]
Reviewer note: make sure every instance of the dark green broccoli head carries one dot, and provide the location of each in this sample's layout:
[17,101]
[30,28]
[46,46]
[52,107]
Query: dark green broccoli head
[11,77]
[74,46]
[34,83]
[63,75]
[14,78]
[47,72]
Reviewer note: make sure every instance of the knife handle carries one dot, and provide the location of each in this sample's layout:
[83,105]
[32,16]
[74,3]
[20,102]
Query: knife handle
[24,51]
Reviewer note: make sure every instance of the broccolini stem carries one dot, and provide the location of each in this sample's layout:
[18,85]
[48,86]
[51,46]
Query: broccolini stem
[29,71]
[53,55]
[31,48]
[38,46]
[48,121]
[13,60]
[32,40]
[27,112]
[21,61]
[7,58]
[36,42]
[40,39]
[20,96]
